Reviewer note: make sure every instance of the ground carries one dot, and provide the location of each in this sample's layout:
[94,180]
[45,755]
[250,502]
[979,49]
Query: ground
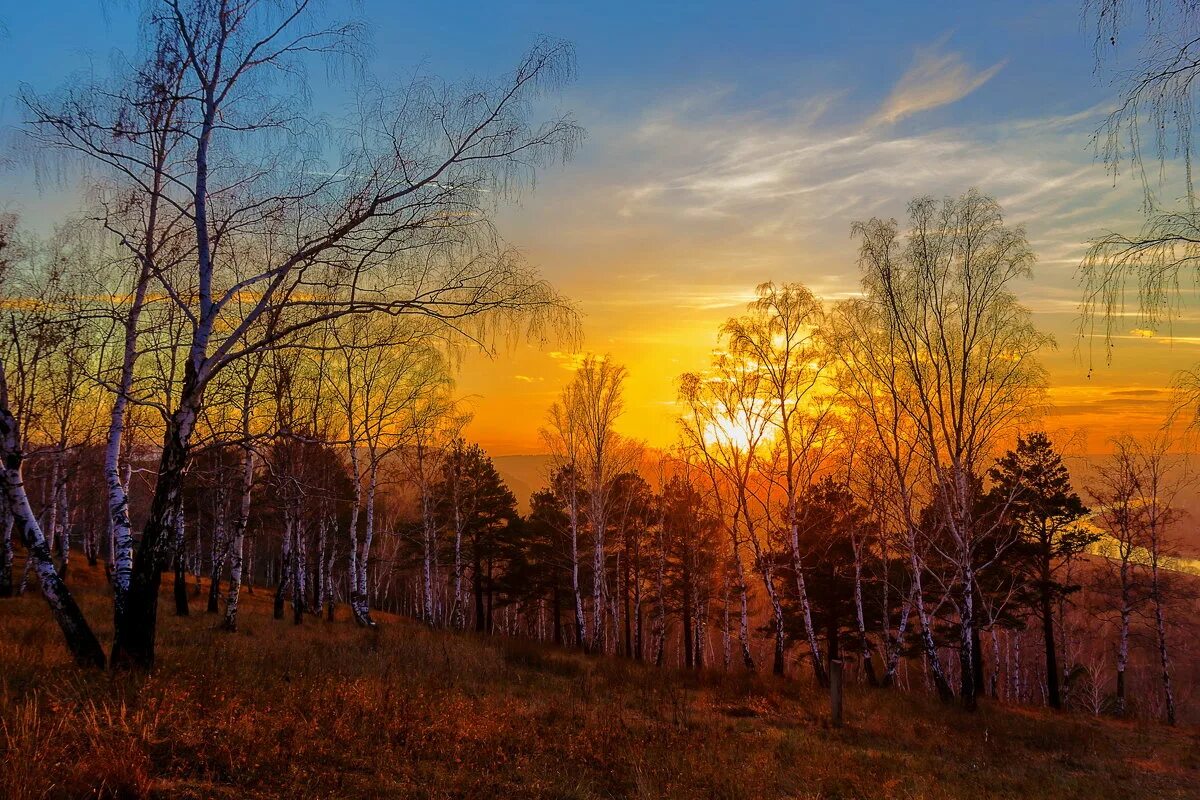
[330,710]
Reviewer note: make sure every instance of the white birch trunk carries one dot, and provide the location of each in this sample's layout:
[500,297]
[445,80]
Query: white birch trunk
[80,639]
[365,555]
[805,607]
[238,544]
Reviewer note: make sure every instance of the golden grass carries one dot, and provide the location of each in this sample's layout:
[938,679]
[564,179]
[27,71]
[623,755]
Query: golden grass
[329,710]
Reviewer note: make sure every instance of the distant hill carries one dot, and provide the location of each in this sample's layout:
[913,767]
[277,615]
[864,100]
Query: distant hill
[524,474]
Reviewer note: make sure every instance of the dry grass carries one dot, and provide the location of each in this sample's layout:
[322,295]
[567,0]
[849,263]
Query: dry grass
[328,710]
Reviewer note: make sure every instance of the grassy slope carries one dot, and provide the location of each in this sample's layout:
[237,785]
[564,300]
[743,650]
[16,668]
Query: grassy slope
[327,710]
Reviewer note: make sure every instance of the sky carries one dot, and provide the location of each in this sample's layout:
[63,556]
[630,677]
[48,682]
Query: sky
[732,144]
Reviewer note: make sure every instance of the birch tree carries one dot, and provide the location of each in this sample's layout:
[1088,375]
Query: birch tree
[84,646]
[1116,491]
[940,330]
[564,439]
[396,224]
[727,426]
[781,335]
[128,137]
[596,402]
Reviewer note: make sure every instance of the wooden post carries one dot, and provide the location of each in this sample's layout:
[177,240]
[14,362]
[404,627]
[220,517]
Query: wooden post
[835,692]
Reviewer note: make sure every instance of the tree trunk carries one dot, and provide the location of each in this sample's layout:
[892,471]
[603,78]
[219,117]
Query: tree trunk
[218,550]
[1052,687]
[688,641]
[459,620]
[1123,643]
[863,642]
[81,641]
[285,569]
[814,647]
[739,572]
[625,598]
[490,627]
[581,632]
[1160,626]
[238,544]
[136,620]
[299,572]
[599,568]
[6,548]
[477,585]
[181,594]
[363,617]
[62,502]
[557,620]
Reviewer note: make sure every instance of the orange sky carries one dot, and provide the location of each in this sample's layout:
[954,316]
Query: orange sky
[674,216]
[725,150]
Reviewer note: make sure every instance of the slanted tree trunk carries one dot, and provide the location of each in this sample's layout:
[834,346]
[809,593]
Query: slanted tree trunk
[81,641]
[945,693]
[814,647]
[893,643]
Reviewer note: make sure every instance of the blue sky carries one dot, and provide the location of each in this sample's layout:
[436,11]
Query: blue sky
[729,144]
[632,53]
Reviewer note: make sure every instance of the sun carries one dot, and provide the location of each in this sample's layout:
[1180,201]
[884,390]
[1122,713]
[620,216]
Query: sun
[738,430]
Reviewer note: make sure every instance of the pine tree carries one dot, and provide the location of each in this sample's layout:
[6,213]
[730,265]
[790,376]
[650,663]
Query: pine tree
[1034,487]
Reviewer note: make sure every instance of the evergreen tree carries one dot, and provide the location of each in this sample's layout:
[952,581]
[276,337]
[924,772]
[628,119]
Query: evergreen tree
[1033,486]
[472,492]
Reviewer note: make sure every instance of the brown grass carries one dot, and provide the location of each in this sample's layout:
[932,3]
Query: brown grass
[328,710]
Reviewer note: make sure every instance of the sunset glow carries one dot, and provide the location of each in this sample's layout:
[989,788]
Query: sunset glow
[541,399]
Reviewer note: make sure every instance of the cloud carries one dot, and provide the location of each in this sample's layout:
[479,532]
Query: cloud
[936,78]
[568,361]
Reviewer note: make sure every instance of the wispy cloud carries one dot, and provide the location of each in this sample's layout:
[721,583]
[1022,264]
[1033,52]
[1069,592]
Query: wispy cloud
[937,77]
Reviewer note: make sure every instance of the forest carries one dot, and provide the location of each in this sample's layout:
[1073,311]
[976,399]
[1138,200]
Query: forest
[229,399]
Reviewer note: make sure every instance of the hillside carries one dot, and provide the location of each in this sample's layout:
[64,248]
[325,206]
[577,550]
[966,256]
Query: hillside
[524,475]
[328,710]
